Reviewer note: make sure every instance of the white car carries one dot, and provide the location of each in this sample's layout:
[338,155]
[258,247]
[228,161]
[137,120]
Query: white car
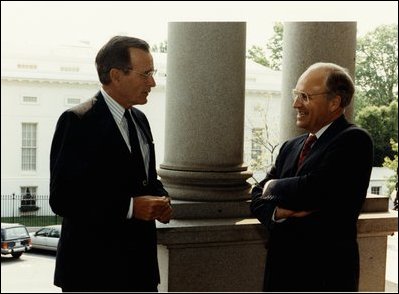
[46,238]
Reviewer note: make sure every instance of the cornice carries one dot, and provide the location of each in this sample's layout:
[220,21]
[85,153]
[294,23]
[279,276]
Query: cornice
[49,81]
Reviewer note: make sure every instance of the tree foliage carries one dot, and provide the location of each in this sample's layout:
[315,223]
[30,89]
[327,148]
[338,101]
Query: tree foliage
[272,55]
[377,66]
[382,123]
[393,165]
[376,79]
[161,47]
[275,46]
[258,54]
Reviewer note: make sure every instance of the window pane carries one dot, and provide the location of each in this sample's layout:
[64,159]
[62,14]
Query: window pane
[28,153]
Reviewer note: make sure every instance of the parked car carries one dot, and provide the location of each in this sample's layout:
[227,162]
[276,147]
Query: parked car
[15,239]
[46,238]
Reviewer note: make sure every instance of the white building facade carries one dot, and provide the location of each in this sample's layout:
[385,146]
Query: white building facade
[35,90]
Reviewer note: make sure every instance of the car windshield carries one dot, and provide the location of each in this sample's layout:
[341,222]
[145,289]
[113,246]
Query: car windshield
[15,233]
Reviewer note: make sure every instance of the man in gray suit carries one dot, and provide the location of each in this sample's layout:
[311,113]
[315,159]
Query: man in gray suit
[311,198]
[103,180]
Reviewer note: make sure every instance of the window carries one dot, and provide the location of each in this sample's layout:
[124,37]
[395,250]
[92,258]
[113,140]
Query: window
[28,146]
[257,148]
[69,68]
[43,232]
[72,101]
[54,233]
[29,99]
[26,66]
[28,199]
[376,190]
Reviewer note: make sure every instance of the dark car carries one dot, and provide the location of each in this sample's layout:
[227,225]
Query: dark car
[15,239]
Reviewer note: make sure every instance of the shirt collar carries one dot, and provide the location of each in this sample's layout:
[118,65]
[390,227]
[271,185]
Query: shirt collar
[116,109]
[322,130]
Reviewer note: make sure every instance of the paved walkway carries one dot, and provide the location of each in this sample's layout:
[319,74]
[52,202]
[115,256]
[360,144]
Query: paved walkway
[34,272]
[43,283]
[391,282]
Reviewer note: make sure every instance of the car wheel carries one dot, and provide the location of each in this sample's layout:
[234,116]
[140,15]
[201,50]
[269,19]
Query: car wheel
[16,254]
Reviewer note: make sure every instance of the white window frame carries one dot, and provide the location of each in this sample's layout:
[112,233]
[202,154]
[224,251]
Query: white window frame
[72,104]
[29,102]
[29,146]
[374,188]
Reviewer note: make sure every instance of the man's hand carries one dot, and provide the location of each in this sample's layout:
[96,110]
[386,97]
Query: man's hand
[152,207]
[285,213]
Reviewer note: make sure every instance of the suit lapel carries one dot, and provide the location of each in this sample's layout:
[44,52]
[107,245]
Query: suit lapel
[107,127]
[324,141]
[142,126]
[291,155]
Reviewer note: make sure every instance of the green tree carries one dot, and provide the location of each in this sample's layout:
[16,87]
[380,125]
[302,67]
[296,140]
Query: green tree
[376,79]
[377,67]
[382,123]
[275,46]
[161,47]
[272,56]
[258,54]
[393,165]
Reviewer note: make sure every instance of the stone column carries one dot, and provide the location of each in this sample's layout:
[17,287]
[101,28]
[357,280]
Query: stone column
[209,246]
[205,91]
[306,43]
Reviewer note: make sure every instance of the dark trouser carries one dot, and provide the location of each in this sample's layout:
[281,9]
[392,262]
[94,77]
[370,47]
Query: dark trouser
[140,288]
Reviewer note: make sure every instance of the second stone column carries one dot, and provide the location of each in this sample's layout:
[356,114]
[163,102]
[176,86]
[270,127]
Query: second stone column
[205,118]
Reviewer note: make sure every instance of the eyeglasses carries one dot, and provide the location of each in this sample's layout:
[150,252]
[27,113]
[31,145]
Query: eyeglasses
[145,75]
[303,96]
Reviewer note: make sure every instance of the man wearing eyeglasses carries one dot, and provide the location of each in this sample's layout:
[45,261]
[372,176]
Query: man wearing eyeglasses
[103,180]
[311,198]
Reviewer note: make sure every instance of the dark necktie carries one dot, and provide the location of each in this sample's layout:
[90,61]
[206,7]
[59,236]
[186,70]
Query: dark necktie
[306,148]
[134,141]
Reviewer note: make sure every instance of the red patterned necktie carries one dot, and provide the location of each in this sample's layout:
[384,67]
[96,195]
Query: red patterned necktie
[306,148]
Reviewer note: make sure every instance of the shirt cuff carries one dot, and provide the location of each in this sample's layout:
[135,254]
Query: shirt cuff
[279,220]
[130,211]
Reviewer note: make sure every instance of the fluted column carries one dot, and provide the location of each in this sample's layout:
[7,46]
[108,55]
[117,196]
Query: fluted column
[306,43]
[205,112]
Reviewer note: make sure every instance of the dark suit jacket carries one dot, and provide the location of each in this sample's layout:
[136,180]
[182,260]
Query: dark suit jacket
[93,178]
[318,252]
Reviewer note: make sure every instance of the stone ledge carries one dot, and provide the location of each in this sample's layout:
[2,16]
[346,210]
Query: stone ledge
[184,210]
[210,230]
[377,223]
[376,203]
[250,229]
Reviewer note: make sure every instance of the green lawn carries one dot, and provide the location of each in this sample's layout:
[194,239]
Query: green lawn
[33,221]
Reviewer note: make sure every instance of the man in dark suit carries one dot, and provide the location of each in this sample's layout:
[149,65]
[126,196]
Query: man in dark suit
[311,210]
[103,180]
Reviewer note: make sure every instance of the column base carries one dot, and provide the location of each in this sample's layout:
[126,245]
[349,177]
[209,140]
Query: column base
[206,186]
